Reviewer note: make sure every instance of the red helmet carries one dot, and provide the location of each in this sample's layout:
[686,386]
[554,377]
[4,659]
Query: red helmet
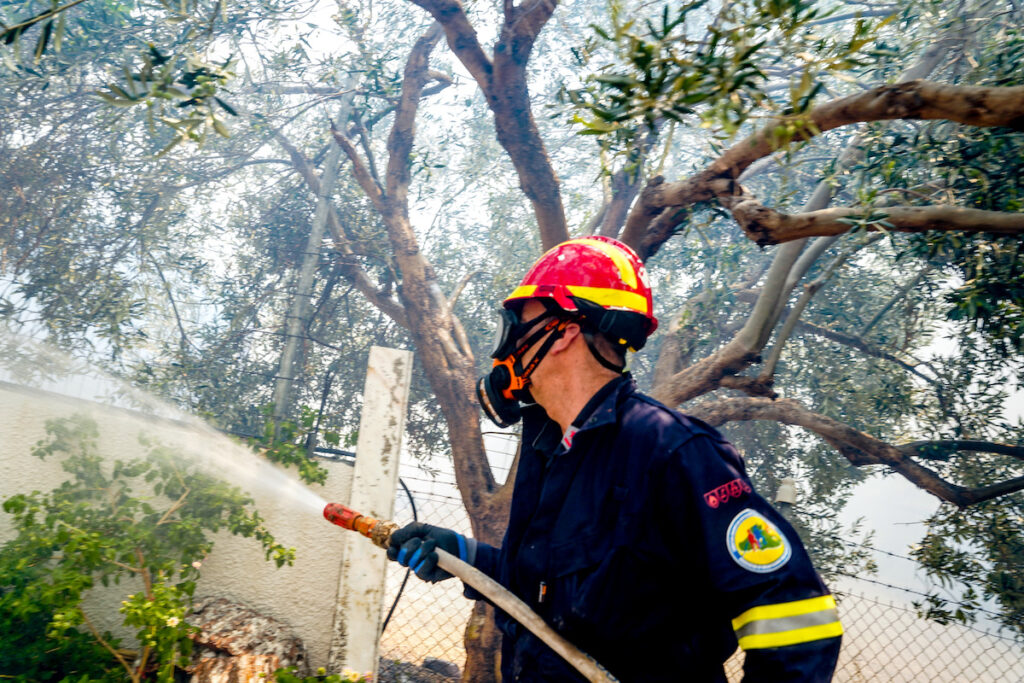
[594,277]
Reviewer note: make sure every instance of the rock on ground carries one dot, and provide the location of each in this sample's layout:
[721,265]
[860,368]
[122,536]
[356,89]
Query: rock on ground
[394,671]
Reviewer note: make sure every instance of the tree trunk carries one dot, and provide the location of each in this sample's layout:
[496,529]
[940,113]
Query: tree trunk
[483,646]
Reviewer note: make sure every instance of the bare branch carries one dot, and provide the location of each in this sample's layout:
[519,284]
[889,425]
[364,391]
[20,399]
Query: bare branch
[509,100]
[751,386]
[442,349]
[352,272]
[917,99]
[403,130]
[857,447]
[461,39]
[382,300]
[107,646]
[943,450]
[624,185]
[768,226]
[443,81]
[863,14]
[524,23]
[364,142]
[894,299]
[459,287]
[705,375]
[863,347]
[810,289]
[366,180]
[503,83]
[228,171]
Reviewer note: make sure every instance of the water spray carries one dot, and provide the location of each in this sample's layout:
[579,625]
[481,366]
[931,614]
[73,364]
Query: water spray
[379,532]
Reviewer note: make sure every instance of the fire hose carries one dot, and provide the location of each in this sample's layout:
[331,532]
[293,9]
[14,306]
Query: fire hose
[379,532]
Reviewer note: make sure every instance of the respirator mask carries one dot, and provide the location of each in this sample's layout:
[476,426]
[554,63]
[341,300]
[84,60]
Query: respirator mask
[500,391]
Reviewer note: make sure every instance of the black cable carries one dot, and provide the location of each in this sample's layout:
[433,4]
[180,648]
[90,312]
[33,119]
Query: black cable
[415,518]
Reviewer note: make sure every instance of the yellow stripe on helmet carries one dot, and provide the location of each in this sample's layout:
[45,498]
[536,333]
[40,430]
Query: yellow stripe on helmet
[626,272]
[611,298]
[522,292]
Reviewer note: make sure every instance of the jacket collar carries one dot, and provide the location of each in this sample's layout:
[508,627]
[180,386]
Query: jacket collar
[600,410]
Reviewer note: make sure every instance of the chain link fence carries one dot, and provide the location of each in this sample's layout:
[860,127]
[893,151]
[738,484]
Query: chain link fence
[884,641]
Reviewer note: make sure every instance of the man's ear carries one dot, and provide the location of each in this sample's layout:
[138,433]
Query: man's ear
[572,331]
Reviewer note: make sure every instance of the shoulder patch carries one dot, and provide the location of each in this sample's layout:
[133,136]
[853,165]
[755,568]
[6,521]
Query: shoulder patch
[756,544]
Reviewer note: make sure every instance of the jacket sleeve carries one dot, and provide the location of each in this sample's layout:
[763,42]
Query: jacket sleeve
[756,566]
[486,560]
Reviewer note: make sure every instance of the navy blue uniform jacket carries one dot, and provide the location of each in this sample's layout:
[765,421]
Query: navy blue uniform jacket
[640,539]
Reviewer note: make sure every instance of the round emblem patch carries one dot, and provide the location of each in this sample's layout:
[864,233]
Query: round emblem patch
[756,544]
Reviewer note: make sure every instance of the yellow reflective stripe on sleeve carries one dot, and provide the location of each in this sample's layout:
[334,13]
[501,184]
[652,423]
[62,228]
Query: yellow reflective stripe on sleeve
[620,260]
[795,637]
[784,609]
[788,623]
[613,298]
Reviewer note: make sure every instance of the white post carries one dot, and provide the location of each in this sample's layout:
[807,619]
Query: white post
[361,587]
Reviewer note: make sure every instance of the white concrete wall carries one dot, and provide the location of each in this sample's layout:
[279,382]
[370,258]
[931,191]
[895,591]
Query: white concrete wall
[302,596]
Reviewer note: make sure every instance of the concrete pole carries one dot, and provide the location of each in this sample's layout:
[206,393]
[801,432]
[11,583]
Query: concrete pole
[361,587]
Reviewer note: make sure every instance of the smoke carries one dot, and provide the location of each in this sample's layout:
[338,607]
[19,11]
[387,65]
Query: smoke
[27,365]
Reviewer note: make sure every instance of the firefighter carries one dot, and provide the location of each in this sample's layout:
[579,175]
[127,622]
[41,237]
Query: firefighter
[634,530]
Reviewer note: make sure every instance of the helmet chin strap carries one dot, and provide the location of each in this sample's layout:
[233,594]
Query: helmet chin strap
[588,337]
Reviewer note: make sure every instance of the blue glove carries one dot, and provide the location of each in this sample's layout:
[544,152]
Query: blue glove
[414,546]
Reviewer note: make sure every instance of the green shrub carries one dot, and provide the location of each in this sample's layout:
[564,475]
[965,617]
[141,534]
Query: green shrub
[346,676]
[146,522]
